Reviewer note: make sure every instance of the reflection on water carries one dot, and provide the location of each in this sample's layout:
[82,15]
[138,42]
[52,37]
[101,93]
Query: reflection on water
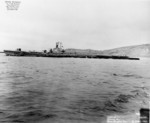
[71,90]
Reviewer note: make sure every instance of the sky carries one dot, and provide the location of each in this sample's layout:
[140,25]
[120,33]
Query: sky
[82,24]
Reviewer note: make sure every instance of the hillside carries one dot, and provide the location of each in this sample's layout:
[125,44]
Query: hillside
[132,51]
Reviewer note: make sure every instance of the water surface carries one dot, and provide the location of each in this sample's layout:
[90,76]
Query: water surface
[71,90]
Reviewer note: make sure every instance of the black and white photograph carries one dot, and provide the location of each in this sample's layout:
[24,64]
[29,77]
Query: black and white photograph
[74,61]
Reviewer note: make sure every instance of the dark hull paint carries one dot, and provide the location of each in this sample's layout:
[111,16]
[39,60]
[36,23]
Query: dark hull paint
[62,55]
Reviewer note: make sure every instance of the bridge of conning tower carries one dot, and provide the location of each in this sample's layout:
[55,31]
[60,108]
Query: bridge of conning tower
[59,45]
[59,48]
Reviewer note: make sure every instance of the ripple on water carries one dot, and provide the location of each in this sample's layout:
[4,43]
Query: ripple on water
[70,89]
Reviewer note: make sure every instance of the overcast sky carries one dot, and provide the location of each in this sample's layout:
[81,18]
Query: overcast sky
[84,24]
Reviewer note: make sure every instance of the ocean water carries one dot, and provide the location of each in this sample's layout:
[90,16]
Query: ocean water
[72,90]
